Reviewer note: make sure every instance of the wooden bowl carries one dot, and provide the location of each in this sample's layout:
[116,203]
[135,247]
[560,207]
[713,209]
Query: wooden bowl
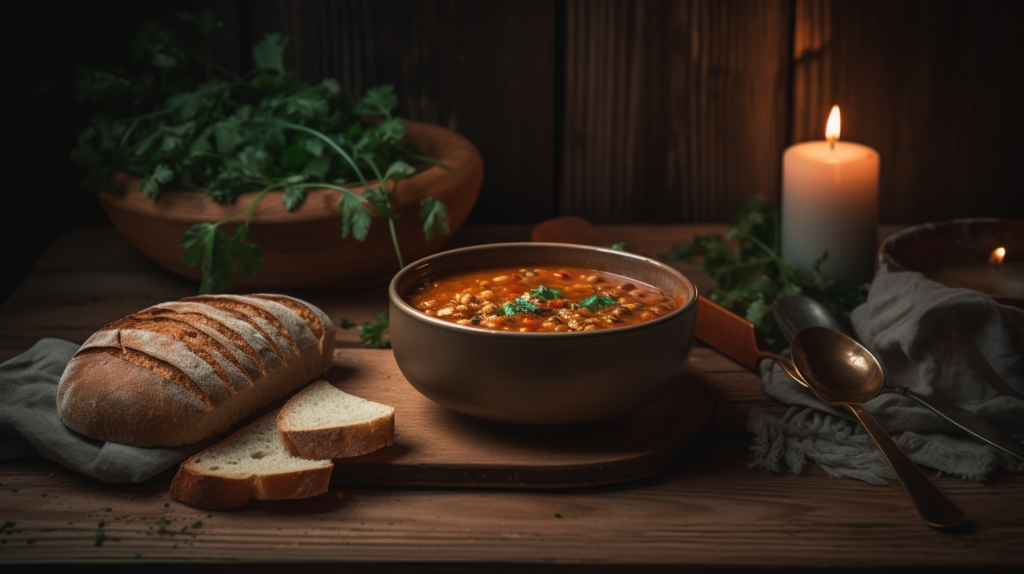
[931,247]
[304,248]
[542,380]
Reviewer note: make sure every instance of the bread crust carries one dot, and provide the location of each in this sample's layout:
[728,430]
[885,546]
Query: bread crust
[334,442]
[141,387]
[216,491]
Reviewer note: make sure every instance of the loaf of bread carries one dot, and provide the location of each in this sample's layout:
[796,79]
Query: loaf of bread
[253,462]
[178,372]
[321,421]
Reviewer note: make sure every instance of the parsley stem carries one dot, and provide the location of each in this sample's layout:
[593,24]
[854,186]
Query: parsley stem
[439,164]
[394,239]
[251,206]
[784,269]
[331,143]
[391,220]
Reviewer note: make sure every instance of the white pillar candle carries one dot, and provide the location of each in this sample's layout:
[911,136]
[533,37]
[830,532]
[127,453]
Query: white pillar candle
[830,203]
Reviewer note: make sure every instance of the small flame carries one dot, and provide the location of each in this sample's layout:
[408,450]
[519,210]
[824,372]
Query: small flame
[997,255]
[832,127]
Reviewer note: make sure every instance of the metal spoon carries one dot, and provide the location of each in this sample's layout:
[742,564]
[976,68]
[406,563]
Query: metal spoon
[798,312]
[843,373]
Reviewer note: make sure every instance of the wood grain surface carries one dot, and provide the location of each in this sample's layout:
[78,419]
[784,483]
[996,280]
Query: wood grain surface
[437,447]
[710,513]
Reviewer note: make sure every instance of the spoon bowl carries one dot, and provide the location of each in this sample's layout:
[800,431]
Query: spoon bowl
[842,370]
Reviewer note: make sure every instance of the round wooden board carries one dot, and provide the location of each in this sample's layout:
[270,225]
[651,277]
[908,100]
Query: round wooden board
[437,447]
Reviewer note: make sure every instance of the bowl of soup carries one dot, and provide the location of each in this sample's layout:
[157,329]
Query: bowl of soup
[541,334]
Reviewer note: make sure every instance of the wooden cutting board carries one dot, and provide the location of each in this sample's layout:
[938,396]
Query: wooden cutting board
[435,446]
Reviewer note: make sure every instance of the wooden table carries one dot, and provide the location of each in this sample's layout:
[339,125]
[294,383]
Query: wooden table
[712,512]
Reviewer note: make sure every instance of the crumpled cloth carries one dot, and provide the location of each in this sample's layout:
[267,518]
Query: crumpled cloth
[955,344]
[29,423]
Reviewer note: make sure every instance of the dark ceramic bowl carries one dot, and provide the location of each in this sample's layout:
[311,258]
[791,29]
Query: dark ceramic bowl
[929,247]
[542,379]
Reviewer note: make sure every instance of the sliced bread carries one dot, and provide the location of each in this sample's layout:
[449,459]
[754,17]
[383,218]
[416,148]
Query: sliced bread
[321,422]
[253,462]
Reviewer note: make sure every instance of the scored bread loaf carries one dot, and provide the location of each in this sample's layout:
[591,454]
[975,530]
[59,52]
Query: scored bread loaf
[253,462]
[321,421]
[178,372]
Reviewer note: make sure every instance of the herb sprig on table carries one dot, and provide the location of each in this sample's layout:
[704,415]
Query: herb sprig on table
[179,121]
[749,272]
[371,333]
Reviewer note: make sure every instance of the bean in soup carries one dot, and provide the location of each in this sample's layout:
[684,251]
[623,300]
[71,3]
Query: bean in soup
[543,299]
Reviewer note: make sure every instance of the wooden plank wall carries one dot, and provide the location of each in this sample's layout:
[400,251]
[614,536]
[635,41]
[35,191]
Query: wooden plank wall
[679,110]
[674,110]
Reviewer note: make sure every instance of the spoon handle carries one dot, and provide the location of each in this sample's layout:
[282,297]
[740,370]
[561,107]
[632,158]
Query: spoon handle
[935,509]
[969,422]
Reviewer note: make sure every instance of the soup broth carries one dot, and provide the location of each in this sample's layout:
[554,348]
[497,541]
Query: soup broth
[541,299]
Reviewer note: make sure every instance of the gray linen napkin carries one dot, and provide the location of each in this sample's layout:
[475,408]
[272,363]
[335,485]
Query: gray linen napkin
[955,344]
[29,423]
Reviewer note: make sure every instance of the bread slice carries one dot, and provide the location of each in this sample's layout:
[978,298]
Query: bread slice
[181,371]
[253,462]
[321,421]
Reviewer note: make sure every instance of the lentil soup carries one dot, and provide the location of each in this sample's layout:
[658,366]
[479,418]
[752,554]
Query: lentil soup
[541,300]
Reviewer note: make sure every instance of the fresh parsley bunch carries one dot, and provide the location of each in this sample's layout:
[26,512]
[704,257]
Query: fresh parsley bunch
[179,121]
[750,275]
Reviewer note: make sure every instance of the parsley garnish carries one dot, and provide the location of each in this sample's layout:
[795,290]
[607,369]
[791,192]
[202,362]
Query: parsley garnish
[182,122]
[546,293]
[750,274]
[371,333]
[518,306]
[595,302]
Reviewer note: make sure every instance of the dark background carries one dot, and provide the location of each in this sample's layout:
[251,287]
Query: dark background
[649,111]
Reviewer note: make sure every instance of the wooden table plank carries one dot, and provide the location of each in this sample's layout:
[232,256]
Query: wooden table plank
[712,512]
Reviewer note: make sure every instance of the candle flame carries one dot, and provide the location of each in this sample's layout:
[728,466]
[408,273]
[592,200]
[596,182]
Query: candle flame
[832,127]
[997,255]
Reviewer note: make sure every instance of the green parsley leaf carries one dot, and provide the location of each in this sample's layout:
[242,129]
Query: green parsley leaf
[434,216]
[355,219]
[398,171]
[595,302]
[268,54]
[379,101]
[543,292]
[519,306]
[372,334]
[620,246]
[378,198]
[294,195]
[346,324]
[219,254]
[197,524]
[160,175]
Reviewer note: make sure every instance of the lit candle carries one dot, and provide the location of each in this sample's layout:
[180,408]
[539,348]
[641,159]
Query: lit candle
[830,203]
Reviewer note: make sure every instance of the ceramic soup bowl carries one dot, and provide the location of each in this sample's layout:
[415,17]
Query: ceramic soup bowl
[529,379]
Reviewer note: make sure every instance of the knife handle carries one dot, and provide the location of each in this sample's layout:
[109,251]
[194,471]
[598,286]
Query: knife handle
[969,422]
